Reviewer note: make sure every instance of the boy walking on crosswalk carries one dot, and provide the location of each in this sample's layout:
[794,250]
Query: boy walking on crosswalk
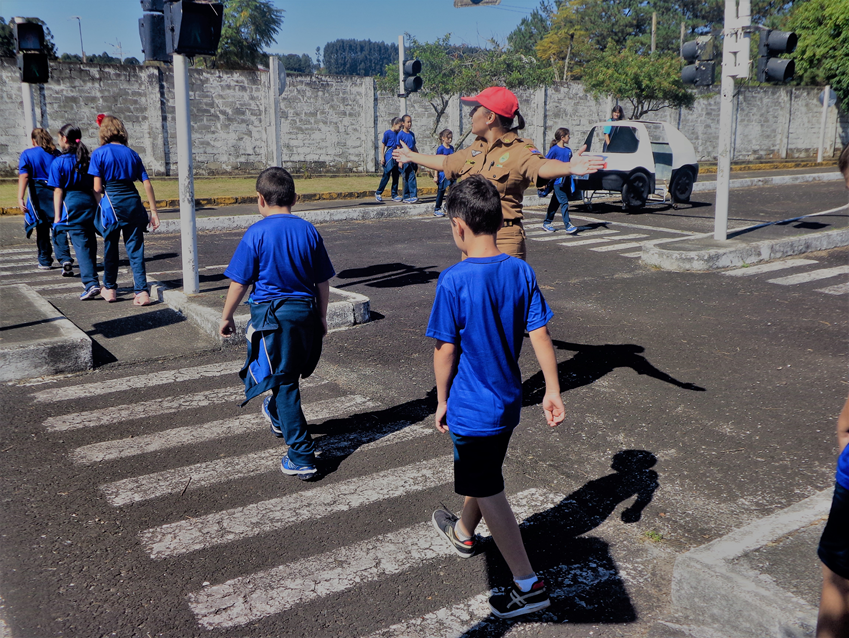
[283,257]
[482,308]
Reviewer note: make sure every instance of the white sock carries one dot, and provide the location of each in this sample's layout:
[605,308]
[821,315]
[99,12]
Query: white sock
[460,535]
[525,584]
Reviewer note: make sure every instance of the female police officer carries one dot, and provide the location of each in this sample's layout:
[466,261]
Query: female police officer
[511,163]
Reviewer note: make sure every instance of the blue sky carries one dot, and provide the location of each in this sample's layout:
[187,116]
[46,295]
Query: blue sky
[307,24]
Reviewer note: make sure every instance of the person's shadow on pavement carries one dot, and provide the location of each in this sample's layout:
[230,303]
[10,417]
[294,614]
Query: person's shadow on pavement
[591,363]
[581,576]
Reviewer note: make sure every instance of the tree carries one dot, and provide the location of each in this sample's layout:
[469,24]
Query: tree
[249,26]
[131,61]
[296,63]
[102,58]
[822,55]
[448,70]
[358,57]
[532,28]
[649,83]
[7,39]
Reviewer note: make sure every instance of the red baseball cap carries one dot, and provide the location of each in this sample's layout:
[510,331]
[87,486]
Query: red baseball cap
[498,99]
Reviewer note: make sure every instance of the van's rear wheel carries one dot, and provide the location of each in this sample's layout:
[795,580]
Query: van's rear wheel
[682,186]
[635,192]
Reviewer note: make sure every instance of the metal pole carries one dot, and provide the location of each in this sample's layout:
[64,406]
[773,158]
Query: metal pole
[401,92]
[29,109]
[80,24]
[274,87]
[726,107]
[188,226]
[825,95]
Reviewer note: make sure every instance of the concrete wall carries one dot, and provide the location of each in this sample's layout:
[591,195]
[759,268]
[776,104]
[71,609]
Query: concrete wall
[334,123]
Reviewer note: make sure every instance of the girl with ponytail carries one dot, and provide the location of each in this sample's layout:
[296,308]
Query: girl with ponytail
[74,204]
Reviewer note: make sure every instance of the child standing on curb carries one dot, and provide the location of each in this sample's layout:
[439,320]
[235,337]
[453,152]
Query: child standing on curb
[562,186]
[283,257]
[482,307]
[390,167]
[445,148]
[406,135]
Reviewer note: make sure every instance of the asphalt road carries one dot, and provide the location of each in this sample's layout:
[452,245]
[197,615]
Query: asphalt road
[717,392]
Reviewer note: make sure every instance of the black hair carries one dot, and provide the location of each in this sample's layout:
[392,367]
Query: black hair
[843,162]
[506,122]
[444,132]
[276,186]
[475,200]
[620,110]
[72,134]
[559,134]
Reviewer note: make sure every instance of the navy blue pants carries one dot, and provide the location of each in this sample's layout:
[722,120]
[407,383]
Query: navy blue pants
[85,246]
[411,189]
[48,241]
[390,170]
[134,243]
[833,549]
[440,192]
[561,200]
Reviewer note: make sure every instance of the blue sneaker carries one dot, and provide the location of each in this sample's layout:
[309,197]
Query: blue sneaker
[303,472]
[91,293]
[378,197]
[411,200]
[397,198]
[274,429]
[571,229]
[438,213]
[548,228]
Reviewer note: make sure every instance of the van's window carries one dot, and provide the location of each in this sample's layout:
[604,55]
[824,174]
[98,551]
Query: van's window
[623,139]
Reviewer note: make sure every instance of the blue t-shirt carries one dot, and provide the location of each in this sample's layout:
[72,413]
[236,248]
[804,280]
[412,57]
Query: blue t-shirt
[483,305]
[113,162]
[35,162]
[408,138]
[563,154]
[607,129]
[443,151]
[390,141]
[63,175]
[843,468]
[282,256]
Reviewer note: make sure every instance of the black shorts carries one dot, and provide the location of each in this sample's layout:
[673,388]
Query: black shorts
[834,544]
[477,464]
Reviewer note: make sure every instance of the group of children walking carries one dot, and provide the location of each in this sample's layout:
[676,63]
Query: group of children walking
[483,307]
[73,193]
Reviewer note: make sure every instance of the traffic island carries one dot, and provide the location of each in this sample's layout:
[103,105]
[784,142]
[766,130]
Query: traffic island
[36,339]
[345,309]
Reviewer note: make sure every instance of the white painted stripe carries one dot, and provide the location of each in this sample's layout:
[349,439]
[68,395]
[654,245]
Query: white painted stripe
[191,434]
[596,233]
[20,257]
[275,514]
[586,242]
[596,220]
[57,286]
[174,481]
[551,237]
[12,251]
[534,233]
[104,416]
[625,246]
[814,275]
[140,381]
[626,237]
[272,591]
[762,268]
[639,253]
[839,289]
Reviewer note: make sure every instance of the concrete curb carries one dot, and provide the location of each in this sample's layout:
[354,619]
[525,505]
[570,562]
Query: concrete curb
[737,253]
[711,586]
[352,310]
[775,180]
[70,352]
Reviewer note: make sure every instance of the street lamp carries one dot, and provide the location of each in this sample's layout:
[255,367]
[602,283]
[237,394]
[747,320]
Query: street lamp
[80,23]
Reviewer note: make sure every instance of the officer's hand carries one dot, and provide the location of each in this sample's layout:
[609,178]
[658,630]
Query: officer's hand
[584,165]
[402,155]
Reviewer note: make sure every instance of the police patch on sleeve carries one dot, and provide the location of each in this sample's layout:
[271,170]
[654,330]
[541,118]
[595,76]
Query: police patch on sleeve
[533,149]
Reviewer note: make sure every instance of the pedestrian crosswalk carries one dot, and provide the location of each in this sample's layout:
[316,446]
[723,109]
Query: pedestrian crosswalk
[141,471]
[600,240]
[797,278]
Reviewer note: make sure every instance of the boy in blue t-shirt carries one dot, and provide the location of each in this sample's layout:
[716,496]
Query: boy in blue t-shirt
[406,135]
[482,308]
[390,167]
[283,257]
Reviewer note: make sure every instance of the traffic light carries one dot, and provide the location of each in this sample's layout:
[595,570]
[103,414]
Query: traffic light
[702,68]
[193,28]
[152,31]
[772,43]
[32,57]
[475,3]
[412,81]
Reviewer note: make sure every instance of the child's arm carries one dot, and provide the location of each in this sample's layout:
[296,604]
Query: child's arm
[98,188]
[154,216]
[322,297]
[843,428]
[444,367]
[234,297]
[552,404]
[23,180]
[58,193]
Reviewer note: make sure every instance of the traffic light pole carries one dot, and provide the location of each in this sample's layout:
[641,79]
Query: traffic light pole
[188,225]
[401,91]
[29,108]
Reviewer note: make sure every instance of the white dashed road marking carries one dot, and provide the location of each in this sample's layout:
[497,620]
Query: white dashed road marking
[770,267]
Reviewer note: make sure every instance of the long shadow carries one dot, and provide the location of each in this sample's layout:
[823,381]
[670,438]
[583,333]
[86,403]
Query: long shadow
[394,275]
[581,576]
[139,323]
[591,363]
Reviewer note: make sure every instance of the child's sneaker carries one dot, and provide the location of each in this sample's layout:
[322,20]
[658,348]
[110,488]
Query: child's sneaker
[67,269]
[571,229]
[444,522]
[91,293]
[378,197]
[274,429]
[548,228]
[303,472]
[514,602]
[397,198]
[411,200]
[438,213]
[43,267]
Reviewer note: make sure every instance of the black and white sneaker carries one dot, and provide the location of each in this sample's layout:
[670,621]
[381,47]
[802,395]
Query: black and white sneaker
[67,269]
[45,267]
[274,429]
[444,521]
[515,602]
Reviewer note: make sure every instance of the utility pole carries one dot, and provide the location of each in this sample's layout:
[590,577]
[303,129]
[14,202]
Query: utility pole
[188,223]
[80,24]
[653,31]
[401,91]
[735,64]
[826,95]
